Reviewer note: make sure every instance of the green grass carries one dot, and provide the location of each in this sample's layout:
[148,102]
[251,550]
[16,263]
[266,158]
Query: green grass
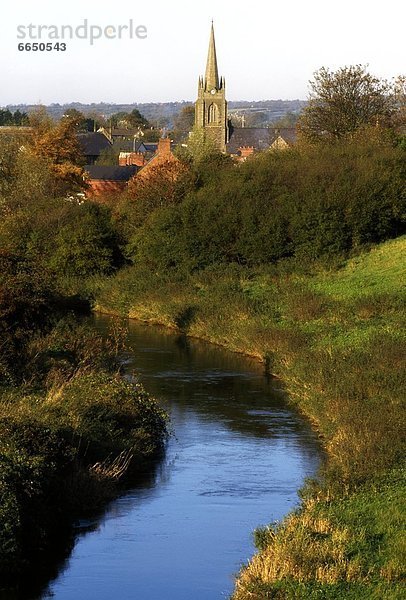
[380,271]
[344,547]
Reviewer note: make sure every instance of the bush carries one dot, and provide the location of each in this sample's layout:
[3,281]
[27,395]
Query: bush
[87,243]
[33,463]
[68,435]
[107,412]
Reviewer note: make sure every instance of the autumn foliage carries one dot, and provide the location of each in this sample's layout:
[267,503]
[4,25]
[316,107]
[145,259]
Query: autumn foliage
[58,145]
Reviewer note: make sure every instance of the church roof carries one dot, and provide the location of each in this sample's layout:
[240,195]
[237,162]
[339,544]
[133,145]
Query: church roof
[289,134]
[259,138]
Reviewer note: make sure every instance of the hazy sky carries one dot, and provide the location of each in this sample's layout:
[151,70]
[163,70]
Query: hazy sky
[266,49]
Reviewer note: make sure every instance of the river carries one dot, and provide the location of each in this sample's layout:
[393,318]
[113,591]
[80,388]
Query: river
[235,460]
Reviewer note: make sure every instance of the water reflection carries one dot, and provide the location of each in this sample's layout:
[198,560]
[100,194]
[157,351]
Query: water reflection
[236,459]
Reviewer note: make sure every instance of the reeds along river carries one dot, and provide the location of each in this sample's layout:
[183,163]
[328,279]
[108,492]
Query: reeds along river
[235,460]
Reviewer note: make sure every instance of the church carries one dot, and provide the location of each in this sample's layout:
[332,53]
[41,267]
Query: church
[211,117]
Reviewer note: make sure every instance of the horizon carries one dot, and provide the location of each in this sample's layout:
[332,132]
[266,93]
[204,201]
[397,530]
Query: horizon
[104,102]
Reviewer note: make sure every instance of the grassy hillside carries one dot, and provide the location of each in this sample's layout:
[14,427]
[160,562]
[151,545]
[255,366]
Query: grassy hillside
[335,338]
[381,270]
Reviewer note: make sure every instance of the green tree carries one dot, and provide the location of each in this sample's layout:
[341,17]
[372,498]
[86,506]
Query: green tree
[6,117]
[77,118]
[341,102]
[17,118]
[183,123]
[131,120]
[200,146]
[136,119]
[20,118]
[108,157]
[86,244]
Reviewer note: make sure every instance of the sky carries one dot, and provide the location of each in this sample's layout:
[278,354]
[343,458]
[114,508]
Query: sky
[266,49]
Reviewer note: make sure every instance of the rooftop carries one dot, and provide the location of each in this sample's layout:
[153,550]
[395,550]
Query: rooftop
[259,138]
[111,173]
[93,143]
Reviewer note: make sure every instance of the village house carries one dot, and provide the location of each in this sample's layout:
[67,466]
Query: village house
[107,180]
[163,156]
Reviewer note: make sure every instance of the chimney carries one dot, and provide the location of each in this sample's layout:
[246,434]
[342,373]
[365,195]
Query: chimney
[126,159]
[164,147]
[246,151]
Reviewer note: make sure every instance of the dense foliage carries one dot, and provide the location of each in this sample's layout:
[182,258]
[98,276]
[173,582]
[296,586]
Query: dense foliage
[315,202]
[16,118]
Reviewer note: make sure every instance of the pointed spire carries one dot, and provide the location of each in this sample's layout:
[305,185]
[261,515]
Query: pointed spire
[212,75]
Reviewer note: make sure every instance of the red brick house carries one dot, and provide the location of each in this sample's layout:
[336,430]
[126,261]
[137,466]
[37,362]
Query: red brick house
[105,180]
[163,156]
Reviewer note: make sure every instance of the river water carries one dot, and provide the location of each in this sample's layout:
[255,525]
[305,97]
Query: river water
[235,461]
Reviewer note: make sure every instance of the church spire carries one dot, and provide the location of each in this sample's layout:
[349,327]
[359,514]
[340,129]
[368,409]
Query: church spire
[211,105]
[212,75]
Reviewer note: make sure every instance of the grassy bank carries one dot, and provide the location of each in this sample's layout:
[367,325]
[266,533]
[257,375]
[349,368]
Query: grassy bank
[71,430]
[335,337]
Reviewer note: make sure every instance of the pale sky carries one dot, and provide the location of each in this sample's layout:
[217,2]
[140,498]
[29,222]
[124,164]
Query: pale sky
[266,49]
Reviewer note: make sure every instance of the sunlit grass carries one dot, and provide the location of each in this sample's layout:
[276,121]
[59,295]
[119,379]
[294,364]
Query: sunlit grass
[381,270]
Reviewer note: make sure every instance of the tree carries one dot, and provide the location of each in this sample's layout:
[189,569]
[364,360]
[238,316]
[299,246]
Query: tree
[77,118]
[184,122]
[86,244]
[108,156]
[166,184]
[136,119]
[58,145]
[200,146]
[20,118]
[133,119]
[8,118]
[341,102]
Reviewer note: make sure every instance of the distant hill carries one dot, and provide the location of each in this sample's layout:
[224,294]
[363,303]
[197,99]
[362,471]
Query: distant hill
[163,113]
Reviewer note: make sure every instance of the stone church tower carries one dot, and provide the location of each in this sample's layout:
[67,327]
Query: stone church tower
[211,105]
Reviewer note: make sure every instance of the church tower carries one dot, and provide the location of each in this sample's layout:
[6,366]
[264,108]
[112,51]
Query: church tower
[211,105]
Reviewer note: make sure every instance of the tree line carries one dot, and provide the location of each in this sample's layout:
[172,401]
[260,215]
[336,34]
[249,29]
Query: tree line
[16,118]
